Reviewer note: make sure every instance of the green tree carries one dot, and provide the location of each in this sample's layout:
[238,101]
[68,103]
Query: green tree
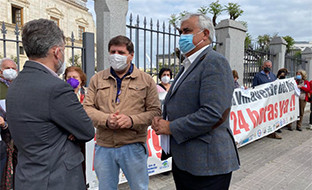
[264,41]
[234,10]
[215,8]
[77,62]
[203,10]
[248,40]
[290,42]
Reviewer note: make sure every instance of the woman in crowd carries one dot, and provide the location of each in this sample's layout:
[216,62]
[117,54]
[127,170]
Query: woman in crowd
[304,86]
[77,79]
[165,74]
[235,76]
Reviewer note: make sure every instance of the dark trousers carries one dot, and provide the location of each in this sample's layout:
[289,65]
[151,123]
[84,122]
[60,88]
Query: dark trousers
[186,181]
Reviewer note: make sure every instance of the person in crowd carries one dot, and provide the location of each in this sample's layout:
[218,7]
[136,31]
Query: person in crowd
[304,86]
[281,74]
[235,76]
[77,79]
[121,101]
[266,76]
[8,152]
[8,72]
[196,116]
[42,112]
[165,74]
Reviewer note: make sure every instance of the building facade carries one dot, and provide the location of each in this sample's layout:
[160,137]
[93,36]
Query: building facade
[71,16]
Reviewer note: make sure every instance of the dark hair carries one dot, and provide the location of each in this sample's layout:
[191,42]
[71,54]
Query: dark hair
[121,40]
[82,75]
[162,70]
[235,74]
[39,36]
[282,70]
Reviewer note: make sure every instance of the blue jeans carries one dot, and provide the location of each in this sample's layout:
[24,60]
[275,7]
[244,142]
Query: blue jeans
[131,158]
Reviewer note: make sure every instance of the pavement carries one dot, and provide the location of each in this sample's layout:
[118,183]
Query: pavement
[266,164]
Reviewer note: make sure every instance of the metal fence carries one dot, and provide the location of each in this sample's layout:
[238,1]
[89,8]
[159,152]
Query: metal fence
[86,55]
[253,60]
[155,46]
[294,62]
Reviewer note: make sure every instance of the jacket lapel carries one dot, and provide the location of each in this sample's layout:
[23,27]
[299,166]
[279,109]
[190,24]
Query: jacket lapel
[190,69]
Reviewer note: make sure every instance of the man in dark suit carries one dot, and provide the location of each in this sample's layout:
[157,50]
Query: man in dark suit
[197,109]
[43,111]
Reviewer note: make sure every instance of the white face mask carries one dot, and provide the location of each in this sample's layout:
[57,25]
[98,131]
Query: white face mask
[61,66]
[9,74]
[118,62]
[165,79]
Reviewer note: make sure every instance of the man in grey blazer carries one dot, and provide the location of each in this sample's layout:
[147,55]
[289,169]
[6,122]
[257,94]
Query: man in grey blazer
[45,119]
[196,112]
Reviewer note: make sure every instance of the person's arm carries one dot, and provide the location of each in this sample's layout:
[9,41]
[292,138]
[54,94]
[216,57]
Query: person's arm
[215,96]
[307,88]
[98,117]
[255,81]
[67,112]
[152,107]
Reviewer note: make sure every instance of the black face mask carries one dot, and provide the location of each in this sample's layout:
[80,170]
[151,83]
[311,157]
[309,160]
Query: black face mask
[267,69]
[282,77]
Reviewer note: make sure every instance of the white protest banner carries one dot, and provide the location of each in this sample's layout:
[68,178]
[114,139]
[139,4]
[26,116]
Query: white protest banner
[258,112]
[154,164]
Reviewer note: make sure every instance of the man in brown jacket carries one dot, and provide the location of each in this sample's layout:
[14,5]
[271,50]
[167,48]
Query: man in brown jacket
[121,101]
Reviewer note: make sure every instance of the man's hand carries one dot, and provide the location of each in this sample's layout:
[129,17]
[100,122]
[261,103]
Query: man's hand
[2,123]
[112,121]
[71,137]
[124,121]
[161,126]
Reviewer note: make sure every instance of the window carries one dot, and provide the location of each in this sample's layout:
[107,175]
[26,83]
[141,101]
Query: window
[80,31]
[17,15]
[56,20]
[21,50]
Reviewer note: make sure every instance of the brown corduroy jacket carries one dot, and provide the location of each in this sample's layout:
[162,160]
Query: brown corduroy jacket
[138,99]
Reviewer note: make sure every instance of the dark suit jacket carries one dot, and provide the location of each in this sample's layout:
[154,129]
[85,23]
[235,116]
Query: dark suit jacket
[42,111]
[201,143]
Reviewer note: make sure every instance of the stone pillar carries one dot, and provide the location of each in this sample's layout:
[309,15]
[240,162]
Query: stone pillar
[230,36]
[307,55]
[110,22]
[278,49]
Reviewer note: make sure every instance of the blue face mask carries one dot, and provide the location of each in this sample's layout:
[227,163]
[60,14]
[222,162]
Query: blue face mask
[186,42]
[298,77]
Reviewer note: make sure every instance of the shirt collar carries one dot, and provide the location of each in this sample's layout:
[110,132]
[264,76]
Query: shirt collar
[112,71]
[192,57]
[50,70]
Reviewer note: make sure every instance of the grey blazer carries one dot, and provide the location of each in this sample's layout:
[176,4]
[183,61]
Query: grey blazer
[42,111]
[202,142]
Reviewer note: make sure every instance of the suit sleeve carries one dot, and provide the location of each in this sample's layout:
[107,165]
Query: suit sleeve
[68,113]
[215,96]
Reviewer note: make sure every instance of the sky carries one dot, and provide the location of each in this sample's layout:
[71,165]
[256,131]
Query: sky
[284,17]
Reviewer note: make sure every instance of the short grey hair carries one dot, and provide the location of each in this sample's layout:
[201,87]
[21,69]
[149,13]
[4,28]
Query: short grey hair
[204,22]
[39,36]
[6,59]
[267,61]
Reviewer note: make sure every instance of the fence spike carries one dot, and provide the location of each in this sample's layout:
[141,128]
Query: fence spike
[157,24]
[130,19]
[72,37]
[169,28]
[144,22]
[16,30]
[164,26]
[151,23]
[138,20]
[3,29]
